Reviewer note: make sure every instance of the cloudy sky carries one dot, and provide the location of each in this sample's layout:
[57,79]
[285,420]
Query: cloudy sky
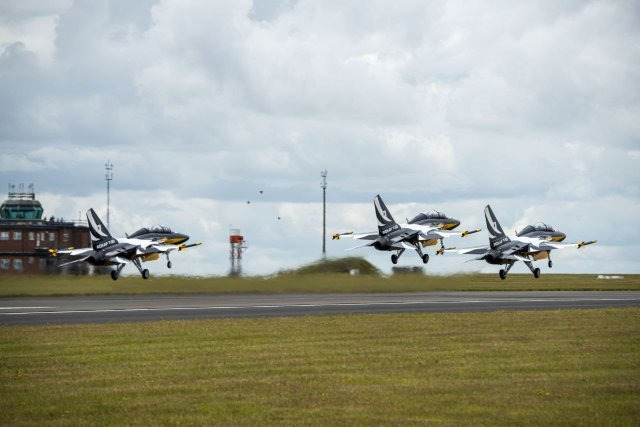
[533,107]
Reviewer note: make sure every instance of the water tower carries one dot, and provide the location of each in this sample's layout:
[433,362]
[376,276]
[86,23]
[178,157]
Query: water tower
[237,246]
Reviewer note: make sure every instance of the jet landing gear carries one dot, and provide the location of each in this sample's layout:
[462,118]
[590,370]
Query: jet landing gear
[168,261]
[116,273]
[550,263]
[143,272]
[396,257]
[503,273]
[535,271]
[425,257]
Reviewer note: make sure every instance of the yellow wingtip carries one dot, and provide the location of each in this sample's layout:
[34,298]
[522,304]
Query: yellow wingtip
[583,244]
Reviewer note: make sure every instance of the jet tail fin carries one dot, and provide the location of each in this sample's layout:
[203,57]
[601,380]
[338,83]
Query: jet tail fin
[100,236]
[496,234]
[386,223]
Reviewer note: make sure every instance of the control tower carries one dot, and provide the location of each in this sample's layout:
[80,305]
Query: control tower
[26,236]
[237,247]
[21,205]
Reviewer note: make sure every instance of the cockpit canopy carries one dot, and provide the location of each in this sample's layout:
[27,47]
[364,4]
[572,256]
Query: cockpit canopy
[428,215]
[157,229]
[540,226]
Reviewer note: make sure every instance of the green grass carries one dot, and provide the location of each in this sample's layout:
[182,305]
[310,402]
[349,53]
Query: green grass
[74,285]
[544,367]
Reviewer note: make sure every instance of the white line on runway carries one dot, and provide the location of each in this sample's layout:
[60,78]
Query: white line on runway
[21,308]
[354,304]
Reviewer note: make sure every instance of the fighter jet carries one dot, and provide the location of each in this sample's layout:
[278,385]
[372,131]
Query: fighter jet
[421,231]
[532,243]
[146,244]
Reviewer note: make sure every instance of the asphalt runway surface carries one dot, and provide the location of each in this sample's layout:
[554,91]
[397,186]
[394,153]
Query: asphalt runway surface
[138,308]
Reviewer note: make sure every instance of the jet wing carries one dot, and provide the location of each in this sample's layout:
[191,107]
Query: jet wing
[481,251]
[401,244]
[405,235]
[441,233]
[366,236]
[358,247]
[70,251]
[517,247]
[478,250]
[373,235]
[119,251]
[164,248]
[74,261]
[478,258]
[548,246]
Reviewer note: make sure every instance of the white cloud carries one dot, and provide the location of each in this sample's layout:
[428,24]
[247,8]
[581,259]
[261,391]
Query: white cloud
[33,25]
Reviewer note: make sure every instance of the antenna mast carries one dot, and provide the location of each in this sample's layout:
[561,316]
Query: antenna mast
[108,176]
[323,184]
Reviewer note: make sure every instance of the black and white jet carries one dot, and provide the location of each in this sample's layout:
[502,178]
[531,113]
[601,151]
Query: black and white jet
[532,243]
[421,231]
[146,244]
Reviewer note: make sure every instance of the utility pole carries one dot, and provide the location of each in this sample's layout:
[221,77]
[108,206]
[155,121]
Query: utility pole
[108,176]
[323,184]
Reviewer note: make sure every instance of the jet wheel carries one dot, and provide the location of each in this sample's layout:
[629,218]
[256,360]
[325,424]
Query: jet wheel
[168,264]
[550,264]
[114,275]
[503,274]
[145,274]
[394,258]
[536,273]
[425,258]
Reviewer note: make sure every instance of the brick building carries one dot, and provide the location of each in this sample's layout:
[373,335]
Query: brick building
[25,237]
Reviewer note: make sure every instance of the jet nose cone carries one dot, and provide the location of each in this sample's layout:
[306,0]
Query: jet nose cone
[182,237]
[558,236]
[453,223]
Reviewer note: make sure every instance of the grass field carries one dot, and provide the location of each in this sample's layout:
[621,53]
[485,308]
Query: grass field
[543,367]
[330,282]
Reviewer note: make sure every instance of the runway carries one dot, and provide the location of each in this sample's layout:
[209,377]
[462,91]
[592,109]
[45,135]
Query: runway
[138,308]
